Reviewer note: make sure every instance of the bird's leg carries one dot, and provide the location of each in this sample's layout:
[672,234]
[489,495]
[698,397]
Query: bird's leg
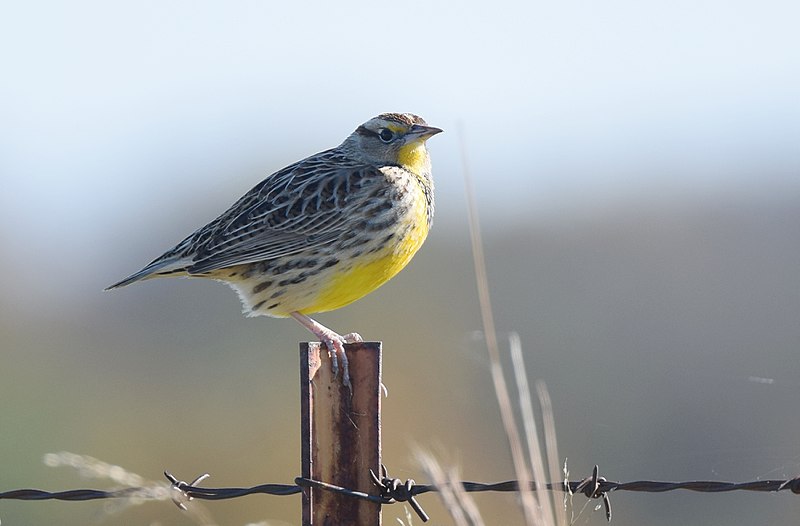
[334,342]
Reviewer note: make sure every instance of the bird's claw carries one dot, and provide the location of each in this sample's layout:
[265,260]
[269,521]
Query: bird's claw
[335,351]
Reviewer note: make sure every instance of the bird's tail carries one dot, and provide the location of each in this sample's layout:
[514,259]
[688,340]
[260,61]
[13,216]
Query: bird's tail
[161,267]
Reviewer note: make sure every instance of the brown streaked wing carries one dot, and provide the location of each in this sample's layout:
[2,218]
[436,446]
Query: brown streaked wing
[306,205]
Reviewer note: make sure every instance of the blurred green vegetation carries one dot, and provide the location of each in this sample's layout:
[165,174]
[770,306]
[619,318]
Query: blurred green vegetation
[649,325]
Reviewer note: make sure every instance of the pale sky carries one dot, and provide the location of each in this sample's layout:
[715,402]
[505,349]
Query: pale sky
[123,115]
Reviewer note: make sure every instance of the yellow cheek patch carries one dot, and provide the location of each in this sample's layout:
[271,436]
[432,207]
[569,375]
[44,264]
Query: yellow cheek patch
[413,157]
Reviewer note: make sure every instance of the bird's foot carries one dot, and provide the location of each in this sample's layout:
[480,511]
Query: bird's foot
[335,346]
[334,342]
[352,337]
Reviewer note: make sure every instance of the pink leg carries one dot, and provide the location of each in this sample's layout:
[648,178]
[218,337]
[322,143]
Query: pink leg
[334,342]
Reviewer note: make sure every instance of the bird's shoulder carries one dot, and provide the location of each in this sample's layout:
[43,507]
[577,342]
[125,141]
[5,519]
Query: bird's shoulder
[307,203]
[323,183]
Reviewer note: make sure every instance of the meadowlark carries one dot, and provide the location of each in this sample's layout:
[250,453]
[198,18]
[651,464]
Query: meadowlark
[320,233]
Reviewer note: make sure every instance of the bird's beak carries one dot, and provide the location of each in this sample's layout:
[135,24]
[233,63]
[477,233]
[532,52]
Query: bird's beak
[423,132]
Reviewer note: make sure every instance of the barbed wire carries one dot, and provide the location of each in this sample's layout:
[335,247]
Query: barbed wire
[394,490]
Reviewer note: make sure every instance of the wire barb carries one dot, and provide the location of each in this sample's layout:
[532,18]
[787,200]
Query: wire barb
[395,490]
[179,494]
[591,487]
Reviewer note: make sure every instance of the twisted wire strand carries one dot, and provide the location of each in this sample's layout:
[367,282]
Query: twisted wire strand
[393,490]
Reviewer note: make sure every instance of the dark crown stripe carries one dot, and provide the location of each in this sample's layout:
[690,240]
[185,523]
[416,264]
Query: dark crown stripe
[407,119]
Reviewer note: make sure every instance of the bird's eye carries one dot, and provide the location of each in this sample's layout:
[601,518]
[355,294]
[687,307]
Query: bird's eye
[386,135]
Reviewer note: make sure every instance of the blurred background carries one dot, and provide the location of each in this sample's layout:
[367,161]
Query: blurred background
[637,173]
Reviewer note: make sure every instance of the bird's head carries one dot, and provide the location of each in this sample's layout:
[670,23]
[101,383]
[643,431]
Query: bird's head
[393,139]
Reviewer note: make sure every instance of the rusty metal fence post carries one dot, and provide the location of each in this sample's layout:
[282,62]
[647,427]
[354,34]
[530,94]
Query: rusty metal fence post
[340,433]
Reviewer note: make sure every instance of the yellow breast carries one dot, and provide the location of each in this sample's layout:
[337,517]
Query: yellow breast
[370,271]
